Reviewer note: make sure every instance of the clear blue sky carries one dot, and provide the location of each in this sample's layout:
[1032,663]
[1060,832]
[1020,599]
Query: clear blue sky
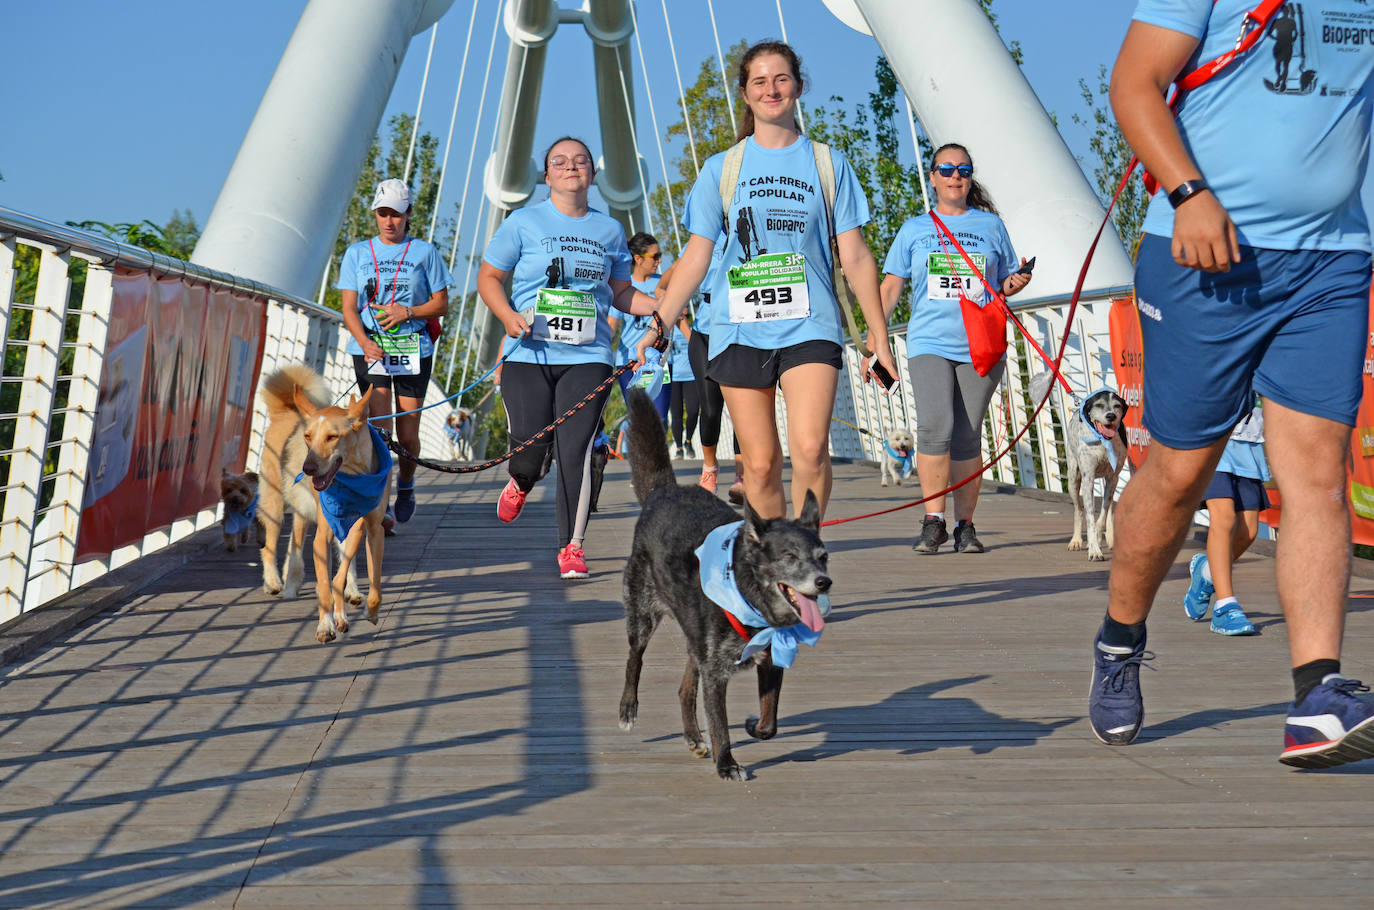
[129,110]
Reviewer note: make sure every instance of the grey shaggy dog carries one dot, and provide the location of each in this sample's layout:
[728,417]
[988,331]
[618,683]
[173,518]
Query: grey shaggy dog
[779,566]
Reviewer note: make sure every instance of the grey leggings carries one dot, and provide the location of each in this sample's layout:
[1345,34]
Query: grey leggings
[951,400]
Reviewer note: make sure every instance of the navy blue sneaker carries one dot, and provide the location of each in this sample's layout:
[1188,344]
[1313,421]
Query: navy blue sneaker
[1199,596]
[1115,707]
[405,503]
[1330,727]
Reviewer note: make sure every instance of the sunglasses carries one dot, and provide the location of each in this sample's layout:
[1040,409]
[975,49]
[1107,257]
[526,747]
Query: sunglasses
[949,170]
[563,162]
[655,256]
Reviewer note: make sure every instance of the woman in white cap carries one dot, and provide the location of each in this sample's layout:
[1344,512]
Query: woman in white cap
[568,265]
[390,285]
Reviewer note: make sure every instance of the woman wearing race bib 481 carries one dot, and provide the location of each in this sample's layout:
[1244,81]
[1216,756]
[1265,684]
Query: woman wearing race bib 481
[403,282]
[568,265]
[775,321]
[951,393]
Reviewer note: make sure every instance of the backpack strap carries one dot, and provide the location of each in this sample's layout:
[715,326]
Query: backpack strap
[729,178]
[825,169]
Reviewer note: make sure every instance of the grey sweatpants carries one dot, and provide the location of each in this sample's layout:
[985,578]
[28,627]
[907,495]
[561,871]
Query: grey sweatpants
[951,400]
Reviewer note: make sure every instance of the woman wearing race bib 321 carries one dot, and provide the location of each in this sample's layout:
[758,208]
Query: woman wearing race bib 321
[388,287]
[951,396]
[568,265]
[775,321]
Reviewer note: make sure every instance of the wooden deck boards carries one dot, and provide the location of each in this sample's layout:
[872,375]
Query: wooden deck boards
[198,748]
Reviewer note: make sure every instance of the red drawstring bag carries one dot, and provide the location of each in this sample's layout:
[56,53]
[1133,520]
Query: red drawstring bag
[986,327]
[434,328]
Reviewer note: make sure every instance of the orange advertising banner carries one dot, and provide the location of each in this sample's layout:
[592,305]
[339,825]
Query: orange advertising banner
[175,406]
[1128,362]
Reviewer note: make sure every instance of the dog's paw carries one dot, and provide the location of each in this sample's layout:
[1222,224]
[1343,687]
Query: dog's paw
[341,624]
[628,715]
[751,726]
[732,771]
[354,597]
[373,605]
[884,482]
[697,747]
[1095,555]
[230,543]
[324,633]
[1076,544]
[272,588]
[898,481]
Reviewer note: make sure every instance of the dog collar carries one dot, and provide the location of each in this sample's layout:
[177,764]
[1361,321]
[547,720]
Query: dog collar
[716,555]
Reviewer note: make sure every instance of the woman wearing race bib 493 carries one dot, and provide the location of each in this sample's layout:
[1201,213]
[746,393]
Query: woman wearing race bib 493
[951,394]
[775,321]
[568,265]
[403,282]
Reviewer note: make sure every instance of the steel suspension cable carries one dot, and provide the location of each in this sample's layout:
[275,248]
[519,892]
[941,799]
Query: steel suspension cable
[658,140]
[916,147]
[720,58]
[682,96]
[419,105]
[453,118]
[801,116]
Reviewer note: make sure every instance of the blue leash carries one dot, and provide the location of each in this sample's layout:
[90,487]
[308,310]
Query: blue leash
[455,396]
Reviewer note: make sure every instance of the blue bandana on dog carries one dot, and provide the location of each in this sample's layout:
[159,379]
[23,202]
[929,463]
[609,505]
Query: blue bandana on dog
[717,555]
[237,522]
[907,461]
[351,496]
[1097,438]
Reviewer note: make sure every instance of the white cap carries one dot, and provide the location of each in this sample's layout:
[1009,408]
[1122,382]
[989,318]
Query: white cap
[392,194]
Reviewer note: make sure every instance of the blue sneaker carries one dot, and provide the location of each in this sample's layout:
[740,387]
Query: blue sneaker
[1330,727]
[1199,596]
[405,503]
[1231,620]
[1115,707]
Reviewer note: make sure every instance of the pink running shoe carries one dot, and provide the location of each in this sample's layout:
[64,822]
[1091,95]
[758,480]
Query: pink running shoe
[708,478]
[511,502]
[572,562]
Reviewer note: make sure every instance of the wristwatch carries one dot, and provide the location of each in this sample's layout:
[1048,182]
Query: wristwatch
[1186,190]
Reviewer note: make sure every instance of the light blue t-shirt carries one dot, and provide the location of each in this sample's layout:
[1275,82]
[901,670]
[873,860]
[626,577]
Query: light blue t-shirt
[777,208]
[633,328]
[543,248]
[937,321]
[1282,134]
[679,364]
[701,322]
[371,268]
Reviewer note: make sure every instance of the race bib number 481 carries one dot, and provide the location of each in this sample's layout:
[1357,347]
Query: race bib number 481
[568,317]
[947,276]
[769,287]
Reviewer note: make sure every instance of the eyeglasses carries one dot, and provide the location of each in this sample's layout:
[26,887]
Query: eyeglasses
[563,162]
[949,170]
[655,256]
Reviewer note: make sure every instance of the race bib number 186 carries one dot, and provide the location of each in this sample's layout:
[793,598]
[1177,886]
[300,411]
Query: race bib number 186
[400,355]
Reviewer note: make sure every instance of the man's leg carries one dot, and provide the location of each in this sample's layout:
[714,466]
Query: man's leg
[1307,455]
[1153,516]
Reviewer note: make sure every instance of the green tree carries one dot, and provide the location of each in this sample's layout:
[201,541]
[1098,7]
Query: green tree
[1013,48]
[181,232]
[1113,154]
[145,234]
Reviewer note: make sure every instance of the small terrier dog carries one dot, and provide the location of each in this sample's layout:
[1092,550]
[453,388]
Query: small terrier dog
[239,493]
[897,456]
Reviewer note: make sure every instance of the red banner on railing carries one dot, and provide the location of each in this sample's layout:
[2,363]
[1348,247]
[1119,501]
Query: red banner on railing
[175,406]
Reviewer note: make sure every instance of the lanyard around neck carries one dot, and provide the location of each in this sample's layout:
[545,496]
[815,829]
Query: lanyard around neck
[394,275]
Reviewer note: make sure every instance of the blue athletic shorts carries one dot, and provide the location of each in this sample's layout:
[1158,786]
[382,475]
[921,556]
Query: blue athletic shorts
[1290,325]
[1245,492]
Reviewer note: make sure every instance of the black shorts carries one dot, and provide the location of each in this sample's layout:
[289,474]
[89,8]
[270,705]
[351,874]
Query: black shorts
[404,386]
[753,368]
[1246,492]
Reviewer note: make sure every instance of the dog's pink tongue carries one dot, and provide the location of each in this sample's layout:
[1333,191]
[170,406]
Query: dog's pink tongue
[810,611]
[1107,432]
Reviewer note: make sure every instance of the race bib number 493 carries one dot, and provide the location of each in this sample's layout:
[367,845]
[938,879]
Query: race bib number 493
[947,276]
[769,287]
[568,317]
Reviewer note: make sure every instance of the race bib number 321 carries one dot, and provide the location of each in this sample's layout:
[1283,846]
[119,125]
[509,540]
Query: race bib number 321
[948,276]
[769,287]
[568,317]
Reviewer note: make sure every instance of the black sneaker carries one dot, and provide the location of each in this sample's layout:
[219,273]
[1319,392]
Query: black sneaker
[965,540]
[933,534]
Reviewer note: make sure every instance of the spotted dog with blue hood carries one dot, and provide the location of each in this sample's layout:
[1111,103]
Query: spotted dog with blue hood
[1095,447]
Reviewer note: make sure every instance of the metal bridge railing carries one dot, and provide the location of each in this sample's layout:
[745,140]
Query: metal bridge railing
[54,346]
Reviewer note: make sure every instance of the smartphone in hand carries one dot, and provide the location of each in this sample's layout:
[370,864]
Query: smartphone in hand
[1027,268]
[882,375]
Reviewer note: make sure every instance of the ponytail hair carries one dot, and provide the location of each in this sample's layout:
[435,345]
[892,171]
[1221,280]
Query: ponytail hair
[782,49]
[978,196]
